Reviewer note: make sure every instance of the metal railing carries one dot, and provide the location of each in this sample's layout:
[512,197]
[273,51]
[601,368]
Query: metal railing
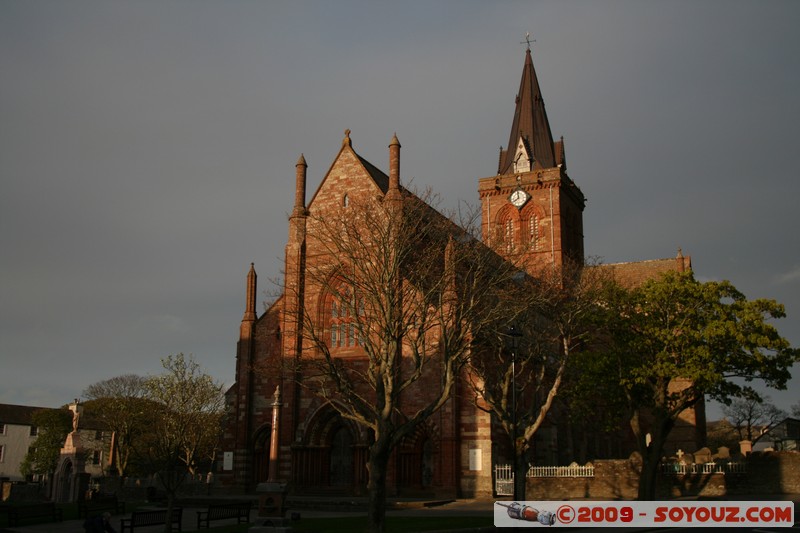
[572,470]
[504,475]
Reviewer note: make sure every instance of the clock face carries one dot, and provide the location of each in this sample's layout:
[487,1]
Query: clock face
[518,198]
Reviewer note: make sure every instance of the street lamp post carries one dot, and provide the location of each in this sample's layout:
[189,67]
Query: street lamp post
[513,342]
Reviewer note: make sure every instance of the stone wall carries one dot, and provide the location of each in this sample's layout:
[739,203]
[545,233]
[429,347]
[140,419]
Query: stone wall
[22,492]
[614,479]
[767,473]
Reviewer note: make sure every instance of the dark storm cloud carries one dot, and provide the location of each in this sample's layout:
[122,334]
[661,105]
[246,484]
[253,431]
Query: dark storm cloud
[147,150]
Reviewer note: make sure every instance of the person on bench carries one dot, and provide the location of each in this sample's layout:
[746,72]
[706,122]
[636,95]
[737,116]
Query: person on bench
[99,524]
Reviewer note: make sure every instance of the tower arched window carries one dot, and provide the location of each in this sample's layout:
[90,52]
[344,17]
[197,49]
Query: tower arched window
[508,235]
[533,231]
[507,228]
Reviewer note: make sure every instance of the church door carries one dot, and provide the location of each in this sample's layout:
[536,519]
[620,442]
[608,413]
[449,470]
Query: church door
[341,458]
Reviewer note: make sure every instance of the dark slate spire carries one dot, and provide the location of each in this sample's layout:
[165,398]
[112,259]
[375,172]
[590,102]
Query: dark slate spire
[530,122]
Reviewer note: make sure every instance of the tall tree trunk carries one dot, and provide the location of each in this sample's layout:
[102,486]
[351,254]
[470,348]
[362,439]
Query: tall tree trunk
[648,475]
[651,458]
[520,474]
[378,463]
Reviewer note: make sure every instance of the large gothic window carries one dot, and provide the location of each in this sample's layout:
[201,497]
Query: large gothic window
[343,311]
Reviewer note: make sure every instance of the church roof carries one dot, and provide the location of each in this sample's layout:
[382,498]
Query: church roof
[380,179]
[530,122]
[636,273]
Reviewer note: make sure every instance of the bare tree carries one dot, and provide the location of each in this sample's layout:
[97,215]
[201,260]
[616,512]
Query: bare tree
[410,290]
[518,372]
[753,416]
[120,404]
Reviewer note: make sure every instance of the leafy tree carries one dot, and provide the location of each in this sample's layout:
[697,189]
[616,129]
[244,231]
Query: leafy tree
[120,404]
[676,340]
[416,289]
[187,405]
[53,426]
[551,315]
[753,416]
[796,410]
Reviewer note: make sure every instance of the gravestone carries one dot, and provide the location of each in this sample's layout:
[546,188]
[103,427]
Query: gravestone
[702,456]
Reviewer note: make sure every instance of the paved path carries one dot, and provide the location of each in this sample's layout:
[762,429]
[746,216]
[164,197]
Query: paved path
[460,508]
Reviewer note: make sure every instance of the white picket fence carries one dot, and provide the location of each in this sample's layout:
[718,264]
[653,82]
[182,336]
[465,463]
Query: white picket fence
[572,470]
[679,469]
[504,475]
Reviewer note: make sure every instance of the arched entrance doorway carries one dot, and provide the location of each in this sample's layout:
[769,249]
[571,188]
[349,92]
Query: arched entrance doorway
[63,481]
[331,455]
[416,460]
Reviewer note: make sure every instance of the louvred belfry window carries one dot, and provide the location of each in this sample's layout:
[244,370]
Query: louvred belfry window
[533,230]
[506,229]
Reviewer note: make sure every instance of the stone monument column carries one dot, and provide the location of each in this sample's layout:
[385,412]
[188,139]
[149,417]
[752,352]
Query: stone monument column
[274,443]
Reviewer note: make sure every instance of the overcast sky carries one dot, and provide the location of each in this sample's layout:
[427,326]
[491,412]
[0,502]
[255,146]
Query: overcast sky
[147,151]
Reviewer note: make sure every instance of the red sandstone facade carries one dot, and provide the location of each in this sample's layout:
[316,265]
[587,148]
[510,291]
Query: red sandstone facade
[532,215]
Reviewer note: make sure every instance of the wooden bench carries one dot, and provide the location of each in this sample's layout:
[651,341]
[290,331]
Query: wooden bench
[97,504]
[33,510]
[220,511]
[152,517]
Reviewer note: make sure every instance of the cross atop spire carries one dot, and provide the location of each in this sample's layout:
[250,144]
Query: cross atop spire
[528,40]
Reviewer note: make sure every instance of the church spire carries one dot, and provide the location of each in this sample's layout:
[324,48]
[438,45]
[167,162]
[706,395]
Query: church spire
[530,131]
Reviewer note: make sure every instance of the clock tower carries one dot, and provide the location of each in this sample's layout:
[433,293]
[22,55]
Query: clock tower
[532,212]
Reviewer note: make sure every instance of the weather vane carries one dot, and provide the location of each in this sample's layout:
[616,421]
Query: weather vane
[528,40]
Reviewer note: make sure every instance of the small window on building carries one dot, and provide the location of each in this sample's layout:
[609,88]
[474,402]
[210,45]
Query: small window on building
[2,428]
[2,453]
[98,435]
[346,200]
[96,456]
[34,431]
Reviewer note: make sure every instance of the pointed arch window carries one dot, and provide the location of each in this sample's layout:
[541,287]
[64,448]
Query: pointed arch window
[343,312]
[507,230]
[508,235]
[533,231]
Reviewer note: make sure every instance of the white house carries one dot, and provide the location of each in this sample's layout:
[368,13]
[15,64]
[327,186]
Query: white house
[17,433]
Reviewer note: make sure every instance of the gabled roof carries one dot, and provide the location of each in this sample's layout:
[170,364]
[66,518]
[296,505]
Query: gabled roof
[530,123]
[380,179]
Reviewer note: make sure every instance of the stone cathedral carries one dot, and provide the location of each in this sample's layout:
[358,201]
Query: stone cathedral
[276,430]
